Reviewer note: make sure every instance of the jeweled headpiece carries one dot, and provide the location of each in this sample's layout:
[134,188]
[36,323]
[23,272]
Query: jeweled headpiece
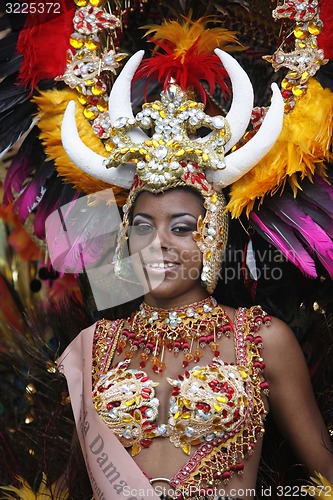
[173,155]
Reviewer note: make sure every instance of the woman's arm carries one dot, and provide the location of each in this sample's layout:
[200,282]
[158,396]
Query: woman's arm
[292,401]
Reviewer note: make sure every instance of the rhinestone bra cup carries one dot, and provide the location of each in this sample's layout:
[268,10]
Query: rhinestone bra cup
[206,402]
[218,408]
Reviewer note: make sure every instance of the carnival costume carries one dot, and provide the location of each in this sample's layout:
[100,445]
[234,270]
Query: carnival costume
[216,411]
[217,407]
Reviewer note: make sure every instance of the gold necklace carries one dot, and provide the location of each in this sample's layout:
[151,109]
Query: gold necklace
[188,329]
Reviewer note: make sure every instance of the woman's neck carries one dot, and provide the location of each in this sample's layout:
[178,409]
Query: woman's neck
[177,301]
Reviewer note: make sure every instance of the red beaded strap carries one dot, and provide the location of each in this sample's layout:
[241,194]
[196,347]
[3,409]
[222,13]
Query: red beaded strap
[247,335]
[104,345]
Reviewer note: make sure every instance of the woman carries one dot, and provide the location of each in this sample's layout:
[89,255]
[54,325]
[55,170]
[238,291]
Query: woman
[183,382]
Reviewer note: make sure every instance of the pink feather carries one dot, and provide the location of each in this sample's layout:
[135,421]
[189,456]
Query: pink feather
[81,235]
[17,173]
[321,218]
[33,191]
[287,209]
[282,237]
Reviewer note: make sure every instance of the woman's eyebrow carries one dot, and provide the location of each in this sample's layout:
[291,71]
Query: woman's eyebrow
[145,216]
[183,214]
[173,216]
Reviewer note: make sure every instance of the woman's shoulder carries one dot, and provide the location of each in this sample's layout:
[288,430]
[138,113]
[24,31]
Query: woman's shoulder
[281,349]
[276,334]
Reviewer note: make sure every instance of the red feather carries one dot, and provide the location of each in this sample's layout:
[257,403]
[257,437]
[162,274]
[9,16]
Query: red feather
[44,42]
[325,39]
[187,72]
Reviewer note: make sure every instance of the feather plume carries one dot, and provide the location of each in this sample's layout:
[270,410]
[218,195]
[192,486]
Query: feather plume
[11,66]
[26,492]
[282,237]
[52,105]
[184,36]
[300,151]
[314,193]
[288,210]
[43,33]
[321,485]
[29,155]
[187,54]
[14,123]
[325,185]
[83,235]
[33,192]
[57,195]
[325,38]
[316,214]
[11,95]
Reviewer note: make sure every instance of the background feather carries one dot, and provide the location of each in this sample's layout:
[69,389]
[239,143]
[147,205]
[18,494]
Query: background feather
[28,157]
[42,31]
[29,199]
[313,236]
[273,230]
[83,235]
[11,94]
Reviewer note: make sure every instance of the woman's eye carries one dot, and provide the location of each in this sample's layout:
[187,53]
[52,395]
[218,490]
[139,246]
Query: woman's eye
[183,229]
[142,229]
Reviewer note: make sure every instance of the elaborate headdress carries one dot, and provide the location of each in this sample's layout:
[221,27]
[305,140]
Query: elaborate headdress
[172,157]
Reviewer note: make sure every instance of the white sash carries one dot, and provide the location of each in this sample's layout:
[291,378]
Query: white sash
[112,471]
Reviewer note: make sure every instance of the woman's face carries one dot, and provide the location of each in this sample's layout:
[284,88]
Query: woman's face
[161,232]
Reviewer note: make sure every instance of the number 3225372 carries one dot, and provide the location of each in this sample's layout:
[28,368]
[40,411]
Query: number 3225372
[33,8]
[292,491]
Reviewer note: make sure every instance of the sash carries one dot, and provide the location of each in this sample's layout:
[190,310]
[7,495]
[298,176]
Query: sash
[112,471]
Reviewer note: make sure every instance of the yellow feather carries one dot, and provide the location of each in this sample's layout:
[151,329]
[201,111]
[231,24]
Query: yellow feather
[25,492]
[52,105]
[300,151]
[323,488]
[183,36]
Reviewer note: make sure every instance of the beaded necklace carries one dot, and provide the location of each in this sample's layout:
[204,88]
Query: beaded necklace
[188,329]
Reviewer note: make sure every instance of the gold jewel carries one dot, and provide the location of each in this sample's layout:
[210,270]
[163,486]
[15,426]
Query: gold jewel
[125,400]
[306,59]
[188,329]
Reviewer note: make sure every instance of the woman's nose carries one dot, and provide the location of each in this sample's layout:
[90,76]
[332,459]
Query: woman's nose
[161,240]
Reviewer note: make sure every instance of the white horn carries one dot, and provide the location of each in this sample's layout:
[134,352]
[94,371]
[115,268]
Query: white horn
[120,104]
[85,159]
[243,159]
[240,111]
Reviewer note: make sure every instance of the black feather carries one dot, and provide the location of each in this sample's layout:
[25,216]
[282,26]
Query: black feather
[11,66]
[11,94]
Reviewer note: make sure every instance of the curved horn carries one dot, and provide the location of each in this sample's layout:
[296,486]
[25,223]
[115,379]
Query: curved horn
[120,104]
[243,159]
[85,159]
[240,111]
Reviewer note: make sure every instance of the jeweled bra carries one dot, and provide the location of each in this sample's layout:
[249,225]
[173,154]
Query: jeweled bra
[218,408]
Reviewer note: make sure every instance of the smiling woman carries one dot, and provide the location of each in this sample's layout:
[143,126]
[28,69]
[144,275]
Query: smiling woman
[164,225]
[183,383]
